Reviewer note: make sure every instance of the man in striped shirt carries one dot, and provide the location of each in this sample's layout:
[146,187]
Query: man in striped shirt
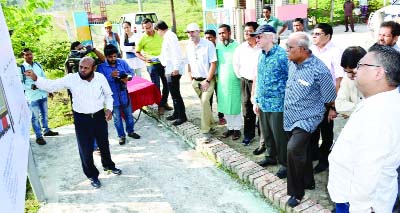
[309,91]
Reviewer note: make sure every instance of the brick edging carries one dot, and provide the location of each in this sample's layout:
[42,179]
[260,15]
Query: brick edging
[265,182]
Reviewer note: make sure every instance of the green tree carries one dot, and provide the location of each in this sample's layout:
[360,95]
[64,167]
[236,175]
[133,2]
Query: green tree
[26,22]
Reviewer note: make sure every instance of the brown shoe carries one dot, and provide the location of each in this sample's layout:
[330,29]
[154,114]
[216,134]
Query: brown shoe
[227,133]
[168,107]
[161,110]
[40,141]
[236,134]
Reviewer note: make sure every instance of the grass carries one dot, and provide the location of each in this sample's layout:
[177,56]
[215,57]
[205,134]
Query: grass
[31,204]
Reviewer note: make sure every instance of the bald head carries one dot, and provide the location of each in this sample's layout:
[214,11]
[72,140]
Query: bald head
[86,68]
[301,38]
[87,60]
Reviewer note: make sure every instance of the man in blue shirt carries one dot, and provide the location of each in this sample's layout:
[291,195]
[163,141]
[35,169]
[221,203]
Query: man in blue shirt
[269,94]
[37,98]
[116,72]
[309,92]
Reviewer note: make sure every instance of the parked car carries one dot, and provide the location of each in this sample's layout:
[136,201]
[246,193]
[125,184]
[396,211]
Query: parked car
[388,13]
[136,20]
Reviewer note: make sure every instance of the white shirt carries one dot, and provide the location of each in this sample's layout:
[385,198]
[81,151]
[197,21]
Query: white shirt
[171,54]
[364,159]
[87,97]
[245,60]
[200,57]
[331,55]
[134,63]
[348,96]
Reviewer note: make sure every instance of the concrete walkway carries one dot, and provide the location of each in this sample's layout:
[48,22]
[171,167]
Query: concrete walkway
[160,173]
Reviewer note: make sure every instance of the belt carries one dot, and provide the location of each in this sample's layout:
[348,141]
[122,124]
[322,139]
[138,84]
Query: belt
[92,115]
[245,79]
[199,79]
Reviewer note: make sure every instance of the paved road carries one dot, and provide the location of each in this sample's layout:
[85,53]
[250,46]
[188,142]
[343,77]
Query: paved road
[160,174]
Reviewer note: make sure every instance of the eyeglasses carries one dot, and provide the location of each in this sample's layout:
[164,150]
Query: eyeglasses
[369,65]
[317,34]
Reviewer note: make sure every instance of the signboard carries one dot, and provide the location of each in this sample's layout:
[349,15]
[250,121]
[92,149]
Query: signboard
[292,11]
[15,119]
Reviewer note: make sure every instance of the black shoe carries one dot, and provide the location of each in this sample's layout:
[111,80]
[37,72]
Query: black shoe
[134,135]
[320,167]
[227,133]
[179,121]
[171,118]
[246,141]
[292,202]
[122,140]
[259,151]
[114,171]
[310,187]
[40,141]
[282,172]
[353,31]
[346,31]
[236,134]
[50,133]
[267,162]
[95,182]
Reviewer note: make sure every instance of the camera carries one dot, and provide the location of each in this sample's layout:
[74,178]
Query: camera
[121,83]
[34,87]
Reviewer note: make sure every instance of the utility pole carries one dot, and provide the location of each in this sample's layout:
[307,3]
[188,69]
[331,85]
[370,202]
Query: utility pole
[173,17]
[140,6]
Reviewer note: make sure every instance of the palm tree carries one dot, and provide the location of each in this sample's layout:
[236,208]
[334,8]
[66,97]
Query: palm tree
[191,2]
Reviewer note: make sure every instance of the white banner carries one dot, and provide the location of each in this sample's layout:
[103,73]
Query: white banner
[14,128]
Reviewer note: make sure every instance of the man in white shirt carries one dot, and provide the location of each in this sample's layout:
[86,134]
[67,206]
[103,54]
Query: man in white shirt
[202,62]
[172,59]
[91,94]
[245,62]
[364,159]
[330,54]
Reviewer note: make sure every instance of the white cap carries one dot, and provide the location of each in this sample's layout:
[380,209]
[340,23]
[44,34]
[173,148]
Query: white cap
[192,27]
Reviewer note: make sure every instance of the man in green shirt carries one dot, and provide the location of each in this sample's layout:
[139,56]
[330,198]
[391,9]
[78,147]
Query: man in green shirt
[148,49]
[272,21]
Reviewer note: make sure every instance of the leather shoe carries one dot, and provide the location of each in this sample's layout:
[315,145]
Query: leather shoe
[40,141]
[161,110]
[310,187]
[114,171]
[179,121]
[95,182]
[236,134]
[246,141]
[134,135]
[50,133]
[171,118]
[227,133]
[267,162]
[122,140]
[168,107]
[320,167]
[292,202]
[259,151]
[282,172]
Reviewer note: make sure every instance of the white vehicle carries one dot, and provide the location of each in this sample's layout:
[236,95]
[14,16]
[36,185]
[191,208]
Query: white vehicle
[136,20]
[388,13]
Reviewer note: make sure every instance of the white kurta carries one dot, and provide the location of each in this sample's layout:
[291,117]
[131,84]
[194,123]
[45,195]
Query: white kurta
[364,159]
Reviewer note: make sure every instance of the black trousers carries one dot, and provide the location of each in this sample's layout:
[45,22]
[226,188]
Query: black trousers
[247,109]
[88,128]
[299,164]
[174,89]
[326,129]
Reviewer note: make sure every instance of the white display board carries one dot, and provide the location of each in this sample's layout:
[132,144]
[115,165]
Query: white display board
[14,128]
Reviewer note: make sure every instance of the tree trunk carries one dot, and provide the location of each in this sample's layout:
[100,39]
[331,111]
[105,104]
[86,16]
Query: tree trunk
[173,28]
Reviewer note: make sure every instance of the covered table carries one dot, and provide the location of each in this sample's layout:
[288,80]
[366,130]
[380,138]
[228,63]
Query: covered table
[142,93]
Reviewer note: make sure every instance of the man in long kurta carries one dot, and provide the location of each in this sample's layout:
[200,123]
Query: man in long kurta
[229,100]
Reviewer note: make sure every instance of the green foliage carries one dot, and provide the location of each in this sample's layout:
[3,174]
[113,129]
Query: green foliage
[60,110]
[26,23]
[52,54]
[31,204]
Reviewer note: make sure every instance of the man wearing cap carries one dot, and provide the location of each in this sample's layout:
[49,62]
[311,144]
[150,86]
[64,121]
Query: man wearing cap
[202,59]
[148,49]
[269,94]
[245,66]
[111,37]
[229,98]
[309,91]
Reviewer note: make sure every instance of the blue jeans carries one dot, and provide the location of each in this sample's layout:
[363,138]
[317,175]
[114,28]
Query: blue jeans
[129,122]
[157,72]
[39,110]
[342,207]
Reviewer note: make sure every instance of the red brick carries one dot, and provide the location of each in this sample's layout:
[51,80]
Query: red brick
[239,162]
[247,169]
[305,204]
[233,160]
[256,175]
[276,189]
[316,208]
[325,211]
[247,164]
[247,173]
[283,202]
